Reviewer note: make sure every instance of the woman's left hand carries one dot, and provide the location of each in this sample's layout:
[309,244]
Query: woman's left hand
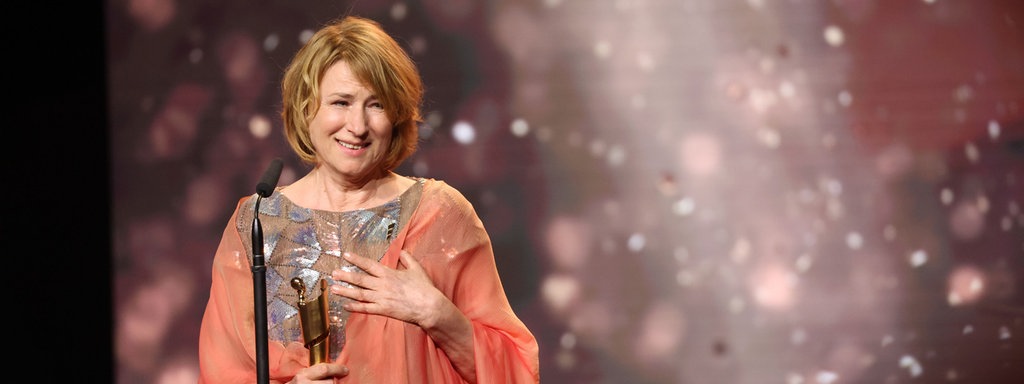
[403,294]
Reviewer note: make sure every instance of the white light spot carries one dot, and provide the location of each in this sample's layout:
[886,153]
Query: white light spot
[602,49]
[787,90]
[271,41]
[463,132]
[918,258]
[616,155]
[399,10]
[520,127]
[972,152]
[769,137]
[1004,333]
[975,286]
[845,98]
[559,291]
[993,129]
[259,126]
[886,340]
[684,206]
[826,377]
[911,364]
[833,36]
[567,341]
[968,329]
[966,284]
[854,240]
[946,196]
[803,263]
[305,35]
[929,1]
[636,242]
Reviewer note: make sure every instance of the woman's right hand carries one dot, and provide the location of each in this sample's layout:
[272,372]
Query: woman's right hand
[320,373]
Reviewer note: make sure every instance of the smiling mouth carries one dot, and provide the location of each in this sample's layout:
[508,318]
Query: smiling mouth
[351,146]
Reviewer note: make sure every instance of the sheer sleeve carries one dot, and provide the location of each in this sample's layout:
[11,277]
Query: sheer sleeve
[448,238]
[227,341]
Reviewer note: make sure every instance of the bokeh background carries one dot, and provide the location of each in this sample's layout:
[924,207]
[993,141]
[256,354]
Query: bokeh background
[678,191]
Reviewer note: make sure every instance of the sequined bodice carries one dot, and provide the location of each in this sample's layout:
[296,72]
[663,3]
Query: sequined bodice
[308,244]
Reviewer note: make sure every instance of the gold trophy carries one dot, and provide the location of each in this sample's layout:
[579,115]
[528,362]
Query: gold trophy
[316,331]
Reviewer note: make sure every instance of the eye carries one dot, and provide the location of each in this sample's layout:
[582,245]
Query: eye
[340,103]
[376,105]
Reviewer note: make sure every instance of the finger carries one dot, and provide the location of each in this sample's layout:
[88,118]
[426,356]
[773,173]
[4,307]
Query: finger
[362,307]
[370,266]
[357,294]
[326,370]
[406,258]
[351,277]
[412,265]
[336,370]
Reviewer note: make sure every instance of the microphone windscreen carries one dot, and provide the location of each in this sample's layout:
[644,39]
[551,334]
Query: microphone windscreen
[269,180]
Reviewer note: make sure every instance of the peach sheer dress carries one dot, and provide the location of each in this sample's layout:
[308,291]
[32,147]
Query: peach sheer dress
[433,221]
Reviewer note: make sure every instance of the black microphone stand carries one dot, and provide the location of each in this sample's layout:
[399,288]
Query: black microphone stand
[259,294]
[259,271]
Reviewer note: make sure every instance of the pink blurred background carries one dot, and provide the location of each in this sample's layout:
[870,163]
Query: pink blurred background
[678,191]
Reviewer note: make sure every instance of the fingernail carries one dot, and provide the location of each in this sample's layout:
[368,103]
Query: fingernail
[347,255]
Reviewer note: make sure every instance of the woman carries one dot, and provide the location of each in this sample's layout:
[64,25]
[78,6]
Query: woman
[414,294]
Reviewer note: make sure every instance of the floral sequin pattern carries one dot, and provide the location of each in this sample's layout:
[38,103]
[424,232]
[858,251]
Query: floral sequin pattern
[307,244]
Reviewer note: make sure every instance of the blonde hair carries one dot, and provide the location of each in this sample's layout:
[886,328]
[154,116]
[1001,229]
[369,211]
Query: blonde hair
[377,60]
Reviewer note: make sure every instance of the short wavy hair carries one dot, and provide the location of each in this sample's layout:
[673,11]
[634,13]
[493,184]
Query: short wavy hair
[377,60]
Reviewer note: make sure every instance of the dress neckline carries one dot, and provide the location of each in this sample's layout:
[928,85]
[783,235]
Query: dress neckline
[418,182]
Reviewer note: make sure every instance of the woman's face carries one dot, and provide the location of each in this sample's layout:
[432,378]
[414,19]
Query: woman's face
[351,132]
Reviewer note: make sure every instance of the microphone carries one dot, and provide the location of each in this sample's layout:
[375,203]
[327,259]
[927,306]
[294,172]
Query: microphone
[269,180]
[259,272]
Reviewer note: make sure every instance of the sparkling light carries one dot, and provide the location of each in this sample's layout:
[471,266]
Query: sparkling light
[833,35]
[911,365]
[520,127]
[463,132]
[966,284]
[918,258]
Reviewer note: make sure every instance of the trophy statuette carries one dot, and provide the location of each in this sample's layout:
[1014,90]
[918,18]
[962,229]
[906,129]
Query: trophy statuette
[316,331]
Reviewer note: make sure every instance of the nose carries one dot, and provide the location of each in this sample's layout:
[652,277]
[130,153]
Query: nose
[357,121]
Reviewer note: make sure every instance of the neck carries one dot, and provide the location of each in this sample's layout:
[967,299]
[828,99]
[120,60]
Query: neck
[337,193]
